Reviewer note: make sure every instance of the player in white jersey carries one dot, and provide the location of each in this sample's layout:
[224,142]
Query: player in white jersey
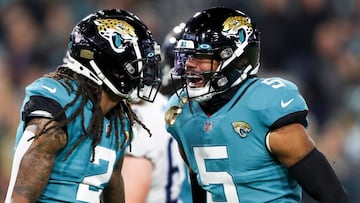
[154,163]
[153,170]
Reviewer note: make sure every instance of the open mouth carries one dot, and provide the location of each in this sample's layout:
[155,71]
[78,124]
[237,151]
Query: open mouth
[195,80]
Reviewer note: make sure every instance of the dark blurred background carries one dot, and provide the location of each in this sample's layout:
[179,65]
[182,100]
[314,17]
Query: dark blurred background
[314,43]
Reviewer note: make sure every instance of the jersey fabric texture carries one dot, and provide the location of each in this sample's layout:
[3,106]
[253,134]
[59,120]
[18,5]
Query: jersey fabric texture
[75,179]
[162,150]
[228,149]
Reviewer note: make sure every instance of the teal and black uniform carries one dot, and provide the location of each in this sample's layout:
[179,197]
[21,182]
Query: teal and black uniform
[228,151]
[76,178]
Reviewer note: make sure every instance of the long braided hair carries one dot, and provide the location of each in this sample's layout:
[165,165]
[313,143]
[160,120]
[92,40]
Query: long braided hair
[88,91]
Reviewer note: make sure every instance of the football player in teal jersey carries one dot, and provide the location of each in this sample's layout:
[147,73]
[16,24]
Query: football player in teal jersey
[243,137]
[77,121]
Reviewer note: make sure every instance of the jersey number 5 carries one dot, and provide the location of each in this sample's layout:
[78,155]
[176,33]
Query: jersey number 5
[219,177]
[273,82]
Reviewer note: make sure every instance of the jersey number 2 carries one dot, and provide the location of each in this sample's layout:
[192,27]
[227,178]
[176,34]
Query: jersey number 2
[220,177]
[84,192]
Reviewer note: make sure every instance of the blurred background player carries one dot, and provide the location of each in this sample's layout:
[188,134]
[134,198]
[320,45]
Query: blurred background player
[153,169]
[170,82]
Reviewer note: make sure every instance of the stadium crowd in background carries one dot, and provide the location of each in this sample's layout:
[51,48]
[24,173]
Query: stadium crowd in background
[315,43]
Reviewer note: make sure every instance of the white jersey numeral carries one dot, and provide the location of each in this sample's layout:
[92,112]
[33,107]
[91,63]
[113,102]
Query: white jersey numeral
[84,192]
[273,82]
[221,177]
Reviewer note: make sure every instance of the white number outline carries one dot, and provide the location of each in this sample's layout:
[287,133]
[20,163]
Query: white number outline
[222,177]
[91,196]
[273,82]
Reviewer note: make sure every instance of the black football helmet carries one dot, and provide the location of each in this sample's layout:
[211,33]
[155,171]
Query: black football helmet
[223,34]
[170,82]
[115,49]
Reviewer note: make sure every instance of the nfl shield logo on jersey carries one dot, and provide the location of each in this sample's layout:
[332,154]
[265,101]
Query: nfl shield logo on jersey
[207,126]
[241,128]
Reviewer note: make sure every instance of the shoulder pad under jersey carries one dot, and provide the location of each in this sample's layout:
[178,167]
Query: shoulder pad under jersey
[274,98]
[50,88]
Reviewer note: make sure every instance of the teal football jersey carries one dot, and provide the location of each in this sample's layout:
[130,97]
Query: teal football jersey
[75,179]
[228,149]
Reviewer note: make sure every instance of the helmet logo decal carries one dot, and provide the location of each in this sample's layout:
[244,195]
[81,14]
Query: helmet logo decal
[205,46]
[186,44]
[238,26]
[151,54]
[116,32]
[242,35]
[242,128]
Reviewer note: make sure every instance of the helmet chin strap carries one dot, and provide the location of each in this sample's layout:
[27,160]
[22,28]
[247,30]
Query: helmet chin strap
[137,53]
[77,67]
[249,70]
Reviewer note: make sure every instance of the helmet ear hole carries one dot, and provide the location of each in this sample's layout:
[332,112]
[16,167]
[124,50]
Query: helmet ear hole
[226,53]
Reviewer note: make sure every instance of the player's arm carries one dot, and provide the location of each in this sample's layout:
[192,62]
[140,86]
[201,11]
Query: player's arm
[294,148]
[114,191]
[35,161]
[137,175]
[198,193]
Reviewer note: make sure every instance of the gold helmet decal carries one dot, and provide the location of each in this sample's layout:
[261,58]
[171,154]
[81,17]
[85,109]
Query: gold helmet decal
[238,26]
[242,128]
[116,32]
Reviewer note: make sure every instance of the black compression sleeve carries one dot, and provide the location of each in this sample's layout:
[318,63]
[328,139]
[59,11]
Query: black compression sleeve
[317,178]
[198,193]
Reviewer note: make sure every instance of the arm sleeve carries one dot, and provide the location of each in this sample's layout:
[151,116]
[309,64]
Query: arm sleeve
[43,107]
[317,178]
[198,193]
[39,106]
[296,117]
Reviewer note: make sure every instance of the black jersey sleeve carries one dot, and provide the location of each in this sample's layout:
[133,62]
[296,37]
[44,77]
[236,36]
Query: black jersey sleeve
[42,107]
[296,117]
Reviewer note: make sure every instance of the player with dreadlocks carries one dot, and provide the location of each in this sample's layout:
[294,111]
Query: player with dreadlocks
[77,121]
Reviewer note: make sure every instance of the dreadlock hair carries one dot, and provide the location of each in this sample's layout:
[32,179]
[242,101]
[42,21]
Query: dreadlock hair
[89,91]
